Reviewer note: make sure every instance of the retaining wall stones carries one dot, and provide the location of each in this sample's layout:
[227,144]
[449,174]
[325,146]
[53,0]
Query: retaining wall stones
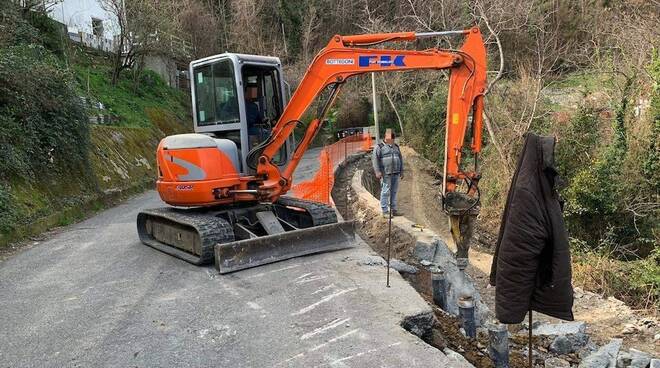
[429,250]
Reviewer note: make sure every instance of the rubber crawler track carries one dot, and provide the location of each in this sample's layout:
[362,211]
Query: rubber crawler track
[212,230]
[321,213]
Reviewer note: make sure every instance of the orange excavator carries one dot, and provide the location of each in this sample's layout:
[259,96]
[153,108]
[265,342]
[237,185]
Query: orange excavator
[227,182]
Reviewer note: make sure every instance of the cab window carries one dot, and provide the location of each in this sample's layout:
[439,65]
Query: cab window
[268,101]
[215,94]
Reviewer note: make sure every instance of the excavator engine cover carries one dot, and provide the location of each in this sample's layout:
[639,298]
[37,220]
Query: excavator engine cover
[191,166]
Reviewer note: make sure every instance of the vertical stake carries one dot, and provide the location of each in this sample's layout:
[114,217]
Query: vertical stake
[498,345]
[466,311]
[529,342]
[439,288]
[389,232]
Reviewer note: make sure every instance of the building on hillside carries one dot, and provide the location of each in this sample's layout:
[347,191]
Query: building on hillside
[87,22]
[90,24]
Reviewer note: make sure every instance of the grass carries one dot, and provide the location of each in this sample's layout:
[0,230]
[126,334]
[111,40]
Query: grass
[585,81]
[635,282]
[128,101]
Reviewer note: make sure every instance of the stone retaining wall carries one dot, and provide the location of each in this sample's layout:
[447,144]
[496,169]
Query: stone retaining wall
[429,250]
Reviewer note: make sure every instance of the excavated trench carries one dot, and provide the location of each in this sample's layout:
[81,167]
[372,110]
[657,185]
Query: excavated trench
[445,332]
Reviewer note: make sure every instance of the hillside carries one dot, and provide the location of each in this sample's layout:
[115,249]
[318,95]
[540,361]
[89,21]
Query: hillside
[57,165]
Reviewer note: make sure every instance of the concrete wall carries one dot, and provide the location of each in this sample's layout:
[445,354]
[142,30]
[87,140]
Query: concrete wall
[165,67]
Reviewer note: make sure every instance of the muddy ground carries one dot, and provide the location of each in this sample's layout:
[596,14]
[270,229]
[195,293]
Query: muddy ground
[606,318]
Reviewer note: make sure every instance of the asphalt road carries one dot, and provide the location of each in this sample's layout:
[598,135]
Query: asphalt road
[93,296]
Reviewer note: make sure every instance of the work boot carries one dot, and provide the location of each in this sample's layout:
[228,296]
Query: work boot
[397,213]
[386,214]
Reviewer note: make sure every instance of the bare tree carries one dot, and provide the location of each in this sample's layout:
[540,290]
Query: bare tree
[117,8]
[145,27]
[200,25]
[310,27]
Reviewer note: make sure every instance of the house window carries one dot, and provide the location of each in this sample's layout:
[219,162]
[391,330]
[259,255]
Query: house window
[97,27]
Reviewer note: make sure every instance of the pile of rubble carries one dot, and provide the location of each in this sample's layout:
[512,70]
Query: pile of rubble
[568,345]
[555,345]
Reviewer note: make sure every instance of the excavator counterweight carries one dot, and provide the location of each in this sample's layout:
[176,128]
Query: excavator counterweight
[228,180]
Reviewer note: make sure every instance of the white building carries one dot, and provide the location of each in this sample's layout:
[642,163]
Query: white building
[87,22]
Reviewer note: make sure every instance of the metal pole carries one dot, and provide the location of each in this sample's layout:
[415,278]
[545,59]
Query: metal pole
[373,96]
[498,347]
[466,311]
[440,33]
[439,288]
[529,340]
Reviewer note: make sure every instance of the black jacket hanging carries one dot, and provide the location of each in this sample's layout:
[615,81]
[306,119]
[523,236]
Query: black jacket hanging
[532,263]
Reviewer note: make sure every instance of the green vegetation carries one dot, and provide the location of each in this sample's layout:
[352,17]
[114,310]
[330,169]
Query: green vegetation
[43,125]
[55,166]
[424,121]
[126,102]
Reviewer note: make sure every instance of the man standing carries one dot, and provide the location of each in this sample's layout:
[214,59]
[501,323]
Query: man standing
[388,167]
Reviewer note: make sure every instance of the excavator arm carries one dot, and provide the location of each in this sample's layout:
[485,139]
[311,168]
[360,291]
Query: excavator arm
[344,57]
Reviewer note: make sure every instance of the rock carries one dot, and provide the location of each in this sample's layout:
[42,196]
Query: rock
[656,338]
[425,263]
[556,363]
[640,359]
[578,340]
[424,251]
[535,325]
[605,357]
[402,267]
[371,261]
[587,350]
[457,358]
[561,345]
[629,329]
[655,363]
[648,322]
[567,328]
[623,360]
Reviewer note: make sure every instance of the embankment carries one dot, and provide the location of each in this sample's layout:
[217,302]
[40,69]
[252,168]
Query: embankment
[121,163]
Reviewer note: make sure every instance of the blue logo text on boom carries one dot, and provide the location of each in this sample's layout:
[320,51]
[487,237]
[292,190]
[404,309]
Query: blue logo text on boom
[383,60]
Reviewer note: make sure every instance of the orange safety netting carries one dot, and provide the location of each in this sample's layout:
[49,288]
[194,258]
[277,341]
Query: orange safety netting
[319,188]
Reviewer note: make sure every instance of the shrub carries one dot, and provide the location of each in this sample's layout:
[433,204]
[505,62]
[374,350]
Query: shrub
[424,117]
[43,125]
[7,212]
[635,282]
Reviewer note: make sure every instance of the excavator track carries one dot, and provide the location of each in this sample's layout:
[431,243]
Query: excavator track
[319,213]
[200,235]
[188,234]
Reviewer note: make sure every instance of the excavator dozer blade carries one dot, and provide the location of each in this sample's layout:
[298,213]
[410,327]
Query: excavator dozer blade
[242,254]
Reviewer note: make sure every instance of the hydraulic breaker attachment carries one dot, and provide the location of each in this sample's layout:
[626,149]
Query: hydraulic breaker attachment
[462,210]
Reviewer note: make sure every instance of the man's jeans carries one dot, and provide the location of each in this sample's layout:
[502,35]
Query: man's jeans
[385,191]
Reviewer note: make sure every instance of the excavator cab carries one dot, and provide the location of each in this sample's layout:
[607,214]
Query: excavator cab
[239,98]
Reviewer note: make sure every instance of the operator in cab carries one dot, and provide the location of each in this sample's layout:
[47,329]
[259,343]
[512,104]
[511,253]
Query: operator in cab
[254,115]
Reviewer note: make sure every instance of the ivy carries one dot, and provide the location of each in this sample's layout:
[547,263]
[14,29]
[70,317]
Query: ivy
[43,126]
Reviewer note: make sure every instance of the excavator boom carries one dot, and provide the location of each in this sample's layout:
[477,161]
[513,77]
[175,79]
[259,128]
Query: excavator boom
[341,59]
